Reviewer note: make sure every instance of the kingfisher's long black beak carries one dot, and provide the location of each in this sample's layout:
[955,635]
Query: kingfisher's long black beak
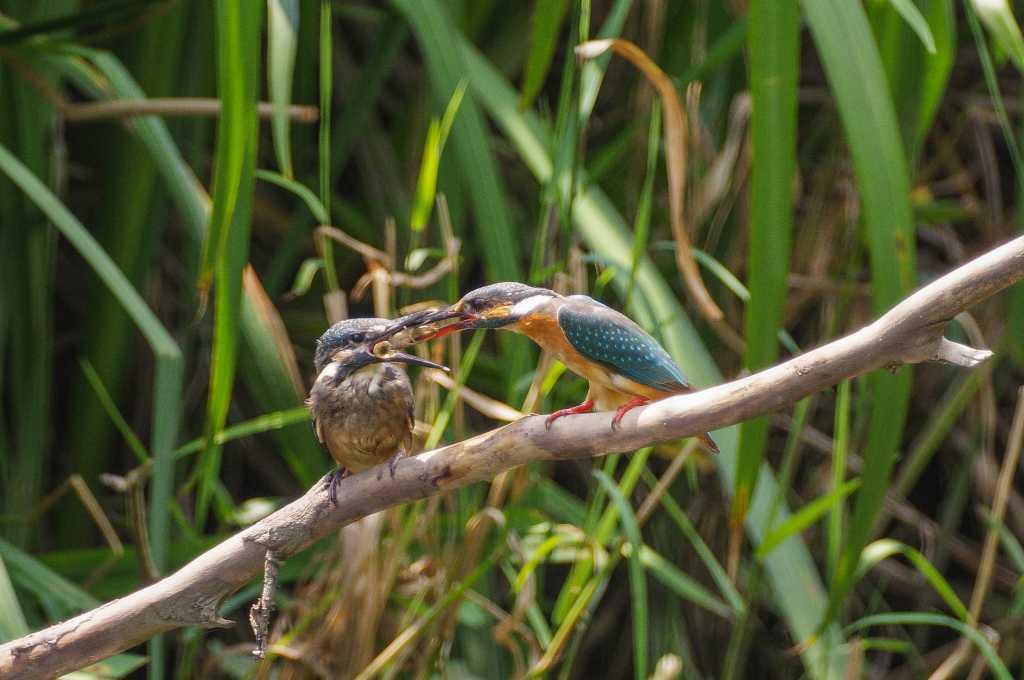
[403,357]
[380,352]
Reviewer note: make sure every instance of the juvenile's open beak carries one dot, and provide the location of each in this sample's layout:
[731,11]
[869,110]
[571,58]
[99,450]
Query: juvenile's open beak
[403,357]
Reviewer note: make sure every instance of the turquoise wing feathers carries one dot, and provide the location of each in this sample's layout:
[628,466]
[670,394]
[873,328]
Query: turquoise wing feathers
[608,338]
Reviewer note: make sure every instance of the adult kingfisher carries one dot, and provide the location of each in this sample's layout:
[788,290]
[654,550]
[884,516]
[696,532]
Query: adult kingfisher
[362,402]
[624,366]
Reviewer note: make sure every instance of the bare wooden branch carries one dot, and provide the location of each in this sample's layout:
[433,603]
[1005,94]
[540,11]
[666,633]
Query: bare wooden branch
[911,332]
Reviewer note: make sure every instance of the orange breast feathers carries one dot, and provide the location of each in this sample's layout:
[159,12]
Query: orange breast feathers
[544,330]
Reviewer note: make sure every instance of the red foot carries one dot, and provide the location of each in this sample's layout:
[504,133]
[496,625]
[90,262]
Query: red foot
[626,408]
[585,407]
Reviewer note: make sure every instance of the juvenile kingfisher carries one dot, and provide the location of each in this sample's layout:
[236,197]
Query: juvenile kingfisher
[624,366]
[362,402]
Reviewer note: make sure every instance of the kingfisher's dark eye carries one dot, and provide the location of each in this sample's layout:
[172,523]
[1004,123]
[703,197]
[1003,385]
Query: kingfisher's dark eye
[357,337]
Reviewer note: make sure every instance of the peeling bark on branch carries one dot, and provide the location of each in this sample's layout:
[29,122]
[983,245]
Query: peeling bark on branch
[911,332]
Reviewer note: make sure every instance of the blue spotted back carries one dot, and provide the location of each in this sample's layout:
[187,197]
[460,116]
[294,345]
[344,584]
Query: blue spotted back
[611,339]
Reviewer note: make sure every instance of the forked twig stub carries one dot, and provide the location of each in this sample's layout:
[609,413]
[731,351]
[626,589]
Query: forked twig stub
[910,332]
[263,608]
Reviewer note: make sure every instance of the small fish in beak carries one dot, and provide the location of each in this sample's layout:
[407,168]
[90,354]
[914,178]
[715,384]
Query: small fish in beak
[430,323]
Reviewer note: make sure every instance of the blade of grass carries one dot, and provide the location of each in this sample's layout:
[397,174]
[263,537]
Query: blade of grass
[304,277]
[857,80]
[941,19]
[301,190]
[642,221]
[717,571]
[232,134]
[909,61]
[540,554]
[916,21]
[264,423]
[227,241]
[790,456]
[836,523]
[12,619]
[103,396]
[59,597]
[1013,548]
[27,280]
[804,517]
[554,224]
[282,33]
[685,587]
[774,44]
[885,548]
[324,137]
[426,185]
[592,72]
[730,281]
[637,576]
[545,26]
[922,619]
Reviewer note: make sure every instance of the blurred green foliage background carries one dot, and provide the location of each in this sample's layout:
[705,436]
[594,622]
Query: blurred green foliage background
[191,191]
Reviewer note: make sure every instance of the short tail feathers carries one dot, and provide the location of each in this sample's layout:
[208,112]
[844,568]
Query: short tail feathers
[708,442]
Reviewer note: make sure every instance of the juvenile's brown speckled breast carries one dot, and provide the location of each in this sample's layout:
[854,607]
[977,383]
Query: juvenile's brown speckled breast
[366,418]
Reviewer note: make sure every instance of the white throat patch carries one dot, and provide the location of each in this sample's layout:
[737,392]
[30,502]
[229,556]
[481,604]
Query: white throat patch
[530,304]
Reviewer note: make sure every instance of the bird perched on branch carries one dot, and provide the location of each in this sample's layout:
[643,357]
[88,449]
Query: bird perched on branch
[624,366]
[362,402]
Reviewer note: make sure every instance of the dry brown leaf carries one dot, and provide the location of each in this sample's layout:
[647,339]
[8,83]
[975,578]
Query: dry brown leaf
[675,133]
